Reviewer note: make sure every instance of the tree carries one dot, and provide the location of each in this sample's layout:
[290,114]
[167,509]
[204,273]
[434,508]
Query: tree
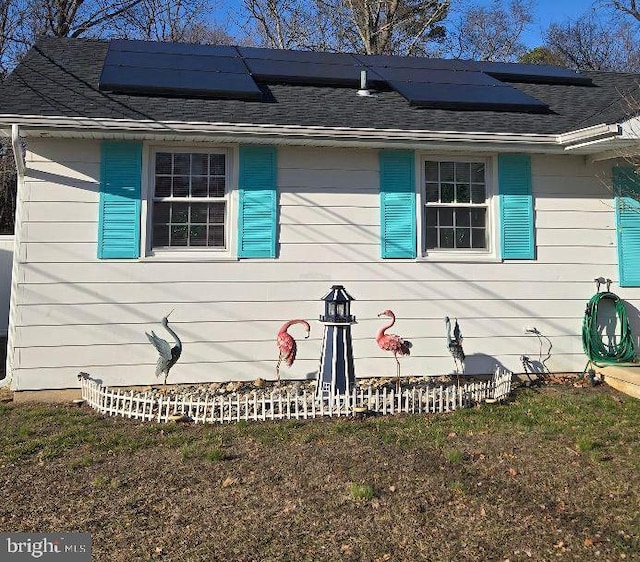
[490,33]
[281,24]
[589,44]
[628,7]
[8,186]
[401,27]
[12,41]
[170,20]
[542,55]
[76,18]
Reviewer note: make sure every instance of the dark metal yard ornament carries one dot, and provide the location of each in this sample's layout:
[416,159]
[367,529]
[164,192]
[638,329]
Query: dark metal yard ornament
[168,355]
[454,344]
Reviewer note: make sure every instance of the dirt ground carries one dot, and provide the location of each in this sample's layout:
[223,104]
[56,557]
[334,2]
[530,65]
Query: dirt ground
[554,474]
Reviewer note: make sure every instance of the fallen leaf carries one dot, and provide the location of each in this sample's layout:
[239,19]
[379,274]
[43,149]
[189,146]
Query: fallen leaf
[483,512]
[159,550]
[228,481]
[289,507]
[588,542]
[513,472]
[392,488]
[346,549]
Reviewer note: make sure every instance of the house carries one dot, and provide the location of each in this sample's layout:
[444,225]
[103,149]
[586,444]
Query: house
[235,186]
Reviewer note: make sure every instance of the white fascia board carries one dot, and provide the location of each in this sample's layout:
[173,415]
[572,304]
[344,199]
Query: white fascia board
[589,133]
[37,125]
[273,132]
[630,128]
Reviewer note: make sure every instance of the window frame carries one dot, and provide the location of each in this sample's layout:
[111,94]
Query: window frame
[190,253]
[491,252]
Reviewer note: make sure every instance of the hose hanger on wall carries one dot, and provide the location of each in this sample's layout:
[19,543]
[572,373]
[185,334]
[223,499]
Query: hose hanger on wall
[618,348]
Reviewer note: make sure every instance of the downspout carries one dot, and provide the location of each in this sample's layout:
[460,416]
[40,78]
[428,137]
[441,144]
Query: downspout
[20,167]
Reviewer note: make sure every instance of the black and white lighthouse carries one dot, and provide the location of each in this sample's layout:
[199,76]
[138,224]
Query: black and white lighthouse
[336,375]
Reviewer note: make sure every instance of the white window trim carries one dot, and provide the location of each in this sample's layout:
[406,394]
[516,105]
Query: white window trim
[189,254]
[491,254]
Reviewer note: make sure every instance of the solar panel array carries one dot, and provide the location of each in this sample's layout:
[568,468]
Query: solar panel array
[176,69]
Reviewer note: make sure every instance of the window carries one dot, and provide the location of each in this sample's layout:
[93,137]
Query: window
[189,199]
[456,209]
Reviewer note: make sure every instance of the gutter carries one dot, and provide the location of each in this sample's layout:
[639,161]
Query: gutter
[603,130]
[18,155]
[85,127]
[268,132]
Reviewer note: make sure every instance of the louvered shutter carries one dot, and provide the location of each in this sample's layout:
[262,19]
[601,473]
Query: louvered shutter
[397,204]
[626,186]
[119,210]
[257,228]
[516,207]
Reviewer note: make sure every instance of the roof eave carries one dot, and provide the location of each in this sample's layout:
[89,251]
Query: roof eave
[83,127]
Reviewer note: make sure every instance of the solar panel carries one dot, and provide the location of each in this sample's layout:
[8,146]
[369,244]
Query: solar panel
[541,74]
[297,56]
[177,61]
[446,96]
[306,73]
[179,82]
[175,69]
[172,48]
[389,61]
[436,76]
[536,73]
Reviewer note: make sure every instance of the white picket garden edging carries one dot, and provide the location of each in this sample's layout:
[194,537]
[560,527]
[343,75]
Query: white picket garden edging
[276,405]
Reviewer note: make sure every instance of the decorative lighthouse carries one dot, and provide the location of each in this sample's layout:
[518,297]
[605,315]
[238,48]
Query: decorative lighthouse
[336,376]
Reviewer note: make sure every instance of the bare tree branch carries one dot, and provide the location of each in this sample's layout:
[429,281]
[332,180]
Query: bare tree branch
[490,33]
[629,7]
[589,44]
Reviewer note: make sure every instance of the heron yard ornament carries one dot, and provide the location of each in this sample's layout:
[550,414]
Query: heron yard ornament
[168,355]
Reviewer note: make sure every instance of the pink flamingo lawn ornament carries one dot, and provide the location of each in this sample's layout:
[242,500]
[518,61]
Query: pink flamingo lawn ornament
[391,342]
[287,345]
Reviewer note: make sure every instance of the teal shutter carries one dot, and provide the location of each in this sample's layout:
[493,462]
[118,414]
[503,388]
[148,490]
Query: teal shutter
[258,205]
[119,211]
[397,204]
[516,207]
[626,187]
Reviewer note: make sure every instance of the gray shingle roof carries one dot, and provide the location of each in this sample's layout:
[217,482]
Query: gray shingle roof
[59,77]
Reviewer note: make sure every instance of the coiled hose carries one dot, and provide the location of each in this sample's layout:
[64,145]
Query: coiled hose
[599,353]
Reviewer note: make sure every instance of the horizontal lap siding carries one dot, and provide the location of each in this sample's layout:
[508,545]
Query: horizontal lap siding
[78,313]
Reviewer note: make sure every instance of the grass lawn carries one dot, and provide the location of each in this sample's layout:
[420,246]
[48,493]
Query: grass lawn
[555,474]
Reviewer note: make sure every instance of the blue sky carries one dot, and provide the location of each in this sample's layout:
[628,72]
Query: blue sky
[548,11]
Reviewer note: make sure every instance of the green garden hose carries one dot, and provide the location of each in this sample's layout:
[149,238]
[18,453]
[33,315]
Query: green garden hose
[599,353]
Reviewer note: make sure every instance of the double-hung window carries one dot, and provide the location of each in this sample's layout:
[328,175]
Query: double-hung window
[190,200]
[456,213]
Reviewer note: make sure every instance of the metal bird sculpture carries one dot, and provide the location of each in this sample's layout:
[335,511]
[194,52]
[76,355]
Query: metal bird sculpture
[287,346]
[455,344]
[168,355]
[392,342]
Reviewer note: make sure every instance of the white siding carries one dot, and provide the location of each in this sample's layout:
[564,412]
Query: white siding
[78,313]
